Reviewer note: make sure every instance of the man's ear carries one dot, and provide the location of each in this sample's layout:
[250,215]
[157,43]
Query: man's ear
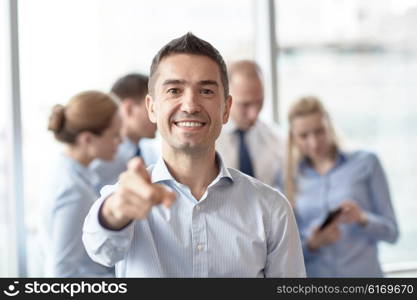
[127,106]
[227,106]
[150,107]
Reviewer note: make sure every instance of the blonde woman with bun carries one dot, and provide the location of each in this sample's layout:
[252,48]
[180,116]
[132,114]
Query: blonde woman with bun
[320,177]
[89,127]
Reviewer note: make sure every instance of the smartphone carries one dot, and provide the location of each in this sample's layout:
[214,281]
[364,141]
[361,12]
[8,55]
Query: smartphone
[330,217]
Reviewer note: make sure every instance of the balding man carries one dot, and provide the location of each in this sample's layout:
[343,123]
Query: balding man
[247,143]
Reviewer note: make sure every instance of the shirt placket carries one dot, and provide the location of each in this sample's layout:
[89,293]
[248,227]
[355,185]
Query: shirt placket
[199,242]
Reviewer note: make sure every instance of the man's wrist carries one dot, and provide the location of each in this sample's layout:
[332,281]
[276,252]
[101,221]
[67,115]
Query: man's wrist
[108,220]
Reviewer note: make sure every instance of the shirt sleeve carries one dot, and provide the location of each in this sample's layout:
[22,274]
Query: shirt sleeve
[279,181]
[103,245]
[304,236]
[67,250]
[308,254]
[284,253]
[382,224]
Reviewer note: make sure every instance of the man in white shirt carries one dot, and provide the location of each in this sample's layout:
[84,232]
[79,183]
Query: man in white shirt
[213,221]
[247,143]
[137,132]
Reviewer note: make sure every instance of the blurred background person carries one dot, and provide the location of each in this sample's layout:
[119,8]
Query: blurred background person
[246,143]
[137,131]
[89,126]
[320,177]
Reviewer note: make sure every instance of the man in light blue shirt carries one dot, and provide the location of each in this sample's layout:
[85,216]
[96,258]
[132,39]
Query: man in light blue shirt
[213,221]
[137,131]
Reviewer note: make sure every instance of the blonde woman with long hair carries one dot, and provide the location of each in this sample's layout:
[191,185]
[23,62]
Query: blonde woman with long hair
[89,127]
[320,178]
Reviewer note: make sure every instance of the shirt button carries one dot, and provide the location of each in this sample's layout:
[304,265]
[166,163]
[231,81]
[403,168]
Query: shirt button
[198,207]
[200,247]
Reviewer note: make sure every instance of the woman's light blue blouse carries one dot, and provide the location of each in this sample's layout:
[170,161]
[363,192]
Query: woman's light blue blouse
[358,177]
[66,201]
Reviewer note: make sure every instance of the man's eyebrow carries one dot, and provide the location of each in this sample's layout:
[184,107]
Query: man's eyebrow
[209,82]
[179,81]
[173,81]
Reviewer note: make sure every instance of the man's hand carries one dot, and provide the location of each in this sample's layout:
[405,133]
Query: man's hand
[134,198]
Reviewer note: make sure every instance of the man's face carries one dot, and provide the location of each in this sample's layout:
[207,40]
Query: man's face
[248,99]
[188,104]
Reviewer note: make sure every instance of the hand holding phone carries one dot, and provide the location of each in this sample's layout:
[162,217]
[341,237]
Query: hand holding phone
[331,217]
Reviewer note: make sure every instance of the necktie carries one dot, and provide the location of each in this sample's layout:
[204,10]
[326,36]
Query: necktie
[245,163]
[138,152]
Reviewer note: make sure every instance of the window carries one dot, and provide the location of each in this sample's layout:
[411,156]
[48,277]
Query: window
[360,58]
[8,257]
[73,45]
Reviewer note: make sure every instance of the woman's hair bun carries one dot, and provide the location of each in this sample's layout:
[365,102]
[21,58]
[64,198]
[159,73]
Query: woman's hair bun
[57,119]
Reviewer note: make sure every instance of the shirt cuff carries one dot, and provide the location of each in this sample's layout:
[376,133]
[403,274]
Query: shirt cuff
[95,227]
[372,225]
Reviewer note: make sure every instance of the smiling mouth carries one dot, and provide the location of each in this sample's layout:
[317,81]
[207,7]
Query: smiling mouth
[190,124]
